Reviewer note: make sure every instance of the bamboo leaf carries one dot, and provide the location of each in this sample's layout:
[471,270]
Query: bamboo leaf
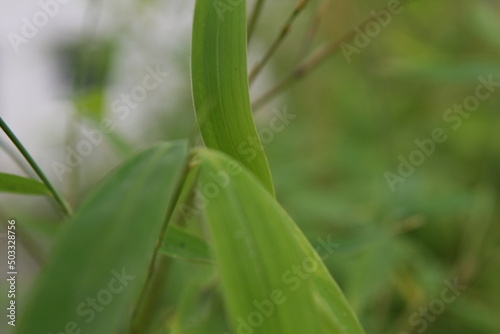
[182,245]
[220,85]
[274,281]
[21,185]
[100,262]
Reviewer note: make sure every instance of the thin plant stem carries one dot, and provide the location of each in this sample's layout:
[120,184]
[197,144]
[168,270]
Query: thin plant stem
[155,268]
[144,317]
[257,10]
[305,67]
[159,268]
[65,208]
[17,158]
[313,29]
[277,42]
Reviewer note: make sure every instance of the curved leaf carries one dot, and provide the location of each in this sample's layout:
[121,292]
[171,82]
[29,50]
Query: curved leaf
[273,279]
[220,85]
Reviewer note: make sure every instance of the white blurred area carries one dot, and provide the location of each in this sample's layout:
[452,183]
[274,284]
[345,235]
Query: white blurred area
[34,98]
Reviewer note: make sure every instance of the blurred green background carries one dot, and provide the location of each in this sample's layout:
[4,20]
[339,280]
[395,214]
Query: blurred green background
[396,249]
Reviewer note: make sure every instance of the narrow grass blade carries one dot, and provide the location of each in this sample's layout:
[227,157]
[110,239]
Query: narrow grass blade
[65,207]
[274,281]
[220,85]
[21,185]
[101,260]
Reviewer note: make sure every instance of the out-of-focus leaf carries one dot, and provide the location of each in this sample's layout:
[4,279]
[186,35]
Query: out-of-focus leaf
[199,311]
[486,22]
[90,104]
[185,210]
[21,185]
[220,85]
[100,262]
[182,245]
[39,226]
[273,280]
[87,64]
[369,273]
[464,72]
[481,316]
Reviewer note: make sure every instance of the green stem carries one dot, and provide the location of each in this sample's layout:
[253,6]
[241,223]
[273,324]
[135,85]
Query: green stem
[65,208]
[17,158]
[156,269]
[277,42]
[144,317]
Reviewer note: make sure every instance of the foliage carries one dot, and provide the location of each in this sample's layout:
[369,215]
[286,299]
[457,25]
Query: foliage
[230,248]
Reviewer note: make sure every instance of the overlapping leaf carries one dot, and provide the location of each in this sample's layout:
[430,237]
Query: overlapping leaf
[101,260]
[182,245]
[273,279]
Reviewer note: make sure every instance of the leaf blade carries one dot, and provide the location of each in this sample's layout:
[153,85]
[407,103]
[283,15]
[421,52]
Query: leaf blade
[20,185]
[109,241]
[185,246]
[255,231]
[220,86]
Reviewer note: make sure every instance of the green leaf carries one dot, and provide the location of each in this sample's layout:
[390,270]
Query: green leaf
[90,104]
[38,226]
[274,281]
[182,245]
[220,85]
[199,310]
[100,262]
[21,185]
